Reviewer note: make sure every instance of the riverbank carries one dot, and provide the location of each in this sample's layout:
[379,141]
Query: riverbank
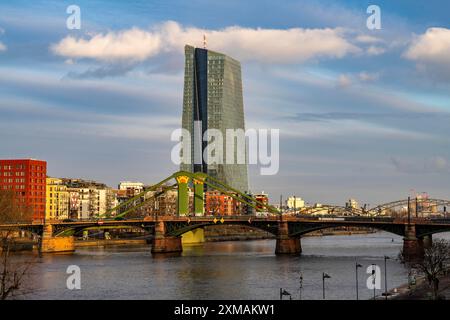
[421,290]
[345,231]
[112,242]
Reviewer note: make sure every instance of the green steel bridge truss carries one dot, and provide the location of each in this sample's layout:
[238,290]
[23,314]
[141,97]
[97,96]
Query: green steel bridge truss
[198,179]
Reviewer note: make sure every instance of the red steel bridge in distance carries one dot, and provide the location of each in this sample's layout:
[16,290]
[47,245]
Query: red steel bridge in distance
[417,231]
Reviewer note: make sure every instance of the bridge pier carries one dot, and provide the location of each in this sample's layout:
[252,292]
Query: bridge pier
[286,244]
[427,241]
[413,248]
[165,244]
[51,244]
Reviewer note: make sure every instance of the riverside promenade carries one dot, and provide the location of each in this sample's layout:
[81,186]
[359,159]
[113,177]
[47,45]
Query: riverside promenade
[421,290]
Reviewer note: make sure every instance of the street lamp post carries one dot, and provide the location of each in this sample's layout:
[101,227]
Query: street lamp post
[284,293]
[409,211]
[357,265]
[324,276]
[374,280]
[281,203]
[417,208]
[385,277]
[295,205]
[301,285]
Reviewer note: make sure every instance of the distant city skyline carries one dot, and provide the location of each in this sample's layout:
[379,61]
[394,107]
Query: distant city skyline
[362,113]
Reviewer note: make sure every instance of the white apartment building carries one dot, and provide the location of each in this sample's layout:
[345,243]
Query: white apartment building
[89,202]
[132,188]
[295,202]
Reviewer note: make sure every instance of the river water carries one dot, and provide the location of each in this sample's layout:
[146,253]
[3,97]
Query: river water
[223,270]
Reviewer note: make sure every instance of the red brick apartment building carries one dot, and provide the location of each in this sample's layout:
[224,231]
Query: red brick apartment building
[221,204]
[27,178]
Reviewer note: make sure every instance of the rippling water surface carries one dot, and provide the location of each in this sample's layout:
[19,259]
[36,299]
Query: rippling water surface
[223,270]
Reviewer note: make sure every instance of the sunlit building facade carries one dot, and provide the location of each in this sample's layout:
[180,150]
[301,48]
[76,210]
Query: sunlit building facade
[218,204]
[294,202]
[58,200]
[26,178]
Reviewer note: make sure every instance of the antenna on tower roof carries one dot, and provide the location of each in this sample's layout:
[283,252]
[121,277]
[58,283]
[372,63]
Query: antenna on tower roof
[204,41]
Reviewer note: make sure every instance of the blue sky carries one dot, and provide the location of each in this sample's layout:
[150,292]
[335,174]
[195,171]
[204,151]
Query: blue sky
[362,113]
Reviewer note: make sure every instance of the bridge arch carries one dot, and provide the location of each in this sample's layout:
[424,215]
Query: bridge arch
[65,231]
[422,231]
[299,229]
[175,229]
[436,233]
[404,202]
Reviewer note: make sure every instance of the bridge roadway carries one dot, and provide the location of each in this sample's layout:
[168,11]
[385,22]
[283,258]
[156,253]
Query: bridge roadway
[58,235]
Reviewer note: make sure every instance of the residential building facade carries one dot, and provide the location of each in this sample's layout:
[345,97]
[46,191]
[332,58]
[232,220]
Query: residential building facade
[57,201]
[131,188]
[294,202]
[89,199]
[263,198]
[26,178]
[217,203]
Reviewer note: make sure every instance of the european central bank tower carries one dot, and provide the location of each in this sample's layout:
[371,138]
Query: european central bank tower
[213,100]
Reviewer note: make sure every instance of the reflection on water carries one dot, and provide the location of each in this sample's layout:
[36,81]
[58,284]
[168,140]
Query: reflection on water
[222,270]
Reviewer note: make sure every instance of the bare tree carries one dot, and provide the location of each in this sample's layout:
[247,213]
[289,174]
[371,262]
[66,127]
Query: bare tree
[12,210]
[13,269]
[435,263]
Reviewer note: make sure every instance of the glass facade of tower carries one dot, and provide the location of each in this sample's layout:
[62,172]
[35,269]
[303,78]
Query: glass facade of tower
[213,95]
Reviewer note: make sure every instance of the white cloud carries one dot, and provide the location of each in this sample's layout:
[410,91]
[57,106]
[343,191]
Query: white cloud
[363,38]
[347,80]
[367,77]
[374,44]
[2,47]
[264,45]
[432,47]
[375,51]
[129,44]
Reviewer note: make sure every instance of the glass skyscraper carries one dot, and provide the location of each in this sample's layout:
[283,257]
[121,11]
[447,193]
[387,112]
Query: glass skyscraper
[213,100]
